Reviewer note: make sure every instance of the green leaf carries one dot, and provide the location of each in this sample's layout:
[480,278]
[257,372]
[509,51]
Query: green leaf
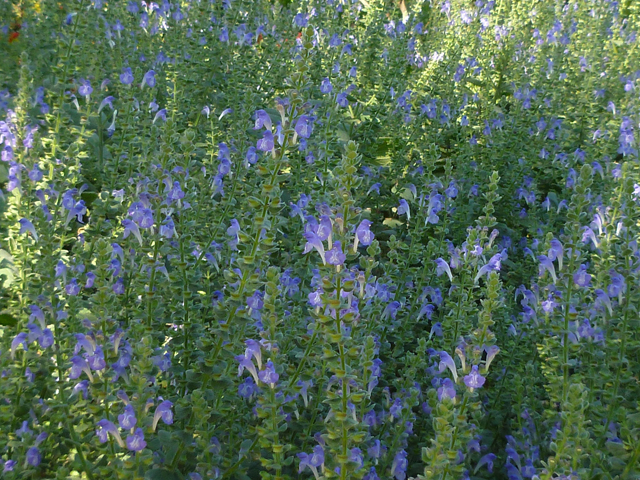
[160,474]
[7,320]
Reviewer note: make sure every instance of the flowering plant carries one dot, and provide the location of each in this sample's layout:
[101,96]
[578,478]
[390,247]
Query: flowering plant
[337,239]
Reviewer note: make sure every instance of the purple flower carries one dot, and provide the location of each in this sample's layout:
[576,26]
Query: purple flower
[304,127]
[149,79]
[161,114]
[37,314]
[9,465]
[492,351]
[118,287]
[35,174]
[60,269]
[335,255]
[315,299]
[355,456]
[492,265]
[313,241]
[126,77]
[313,461]
[447,390]
[82,387]
[374,188]
[255,302]
[245,363]
[27,226]
[547,264]
[131,227]
[96,361]
[72,288]
[487,460]
[34,457]
[248,388]
[79,365]
[443,267]
[399,466]
[474,379]
[266,144]
[404,208]
[316,459]
[163,362]
[128,419]
[371,475]
[20,339]
[581,277]
[269,375]
[391,310]
[556,251]
[106,428]
[136,442]
[603,299]
[46,340]
[253,350]
[107,101]
[262,120]
[163,411]
[325,86]
[447,362]
[252,156]
[363,234]
[325,228]
[341,100]
[85,88]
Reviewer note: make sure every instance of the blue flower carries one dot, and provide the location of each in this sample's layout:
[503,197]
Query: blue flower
[556,251]
[363,234]
[254,349]
[313,241]
[248,388]
[492,265]
[85,88]
[245,363]
[547,264]
[34,457]
[447,362]
[399,465]
[149,79]
[371,475]
[325,86]
[487,460]
[335,255]
[163,411]
[474,379]
[252,156]
[129,228]
[447,390]
[262,120]
[136,442]
[20,339]
[443,267]
[403,208]
[127,420]
[269,375]
[27,226]
[304,127]
[106,428]
[79,365]
[266,143]
[581,278]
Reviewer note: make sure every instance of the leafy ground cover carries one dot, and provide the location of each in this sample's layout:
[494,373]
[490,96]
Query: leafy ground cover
[337,239]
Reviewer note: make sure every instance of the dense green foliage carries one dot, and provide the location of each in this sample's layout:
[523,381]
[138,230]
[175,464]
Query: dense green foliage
[341,239]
